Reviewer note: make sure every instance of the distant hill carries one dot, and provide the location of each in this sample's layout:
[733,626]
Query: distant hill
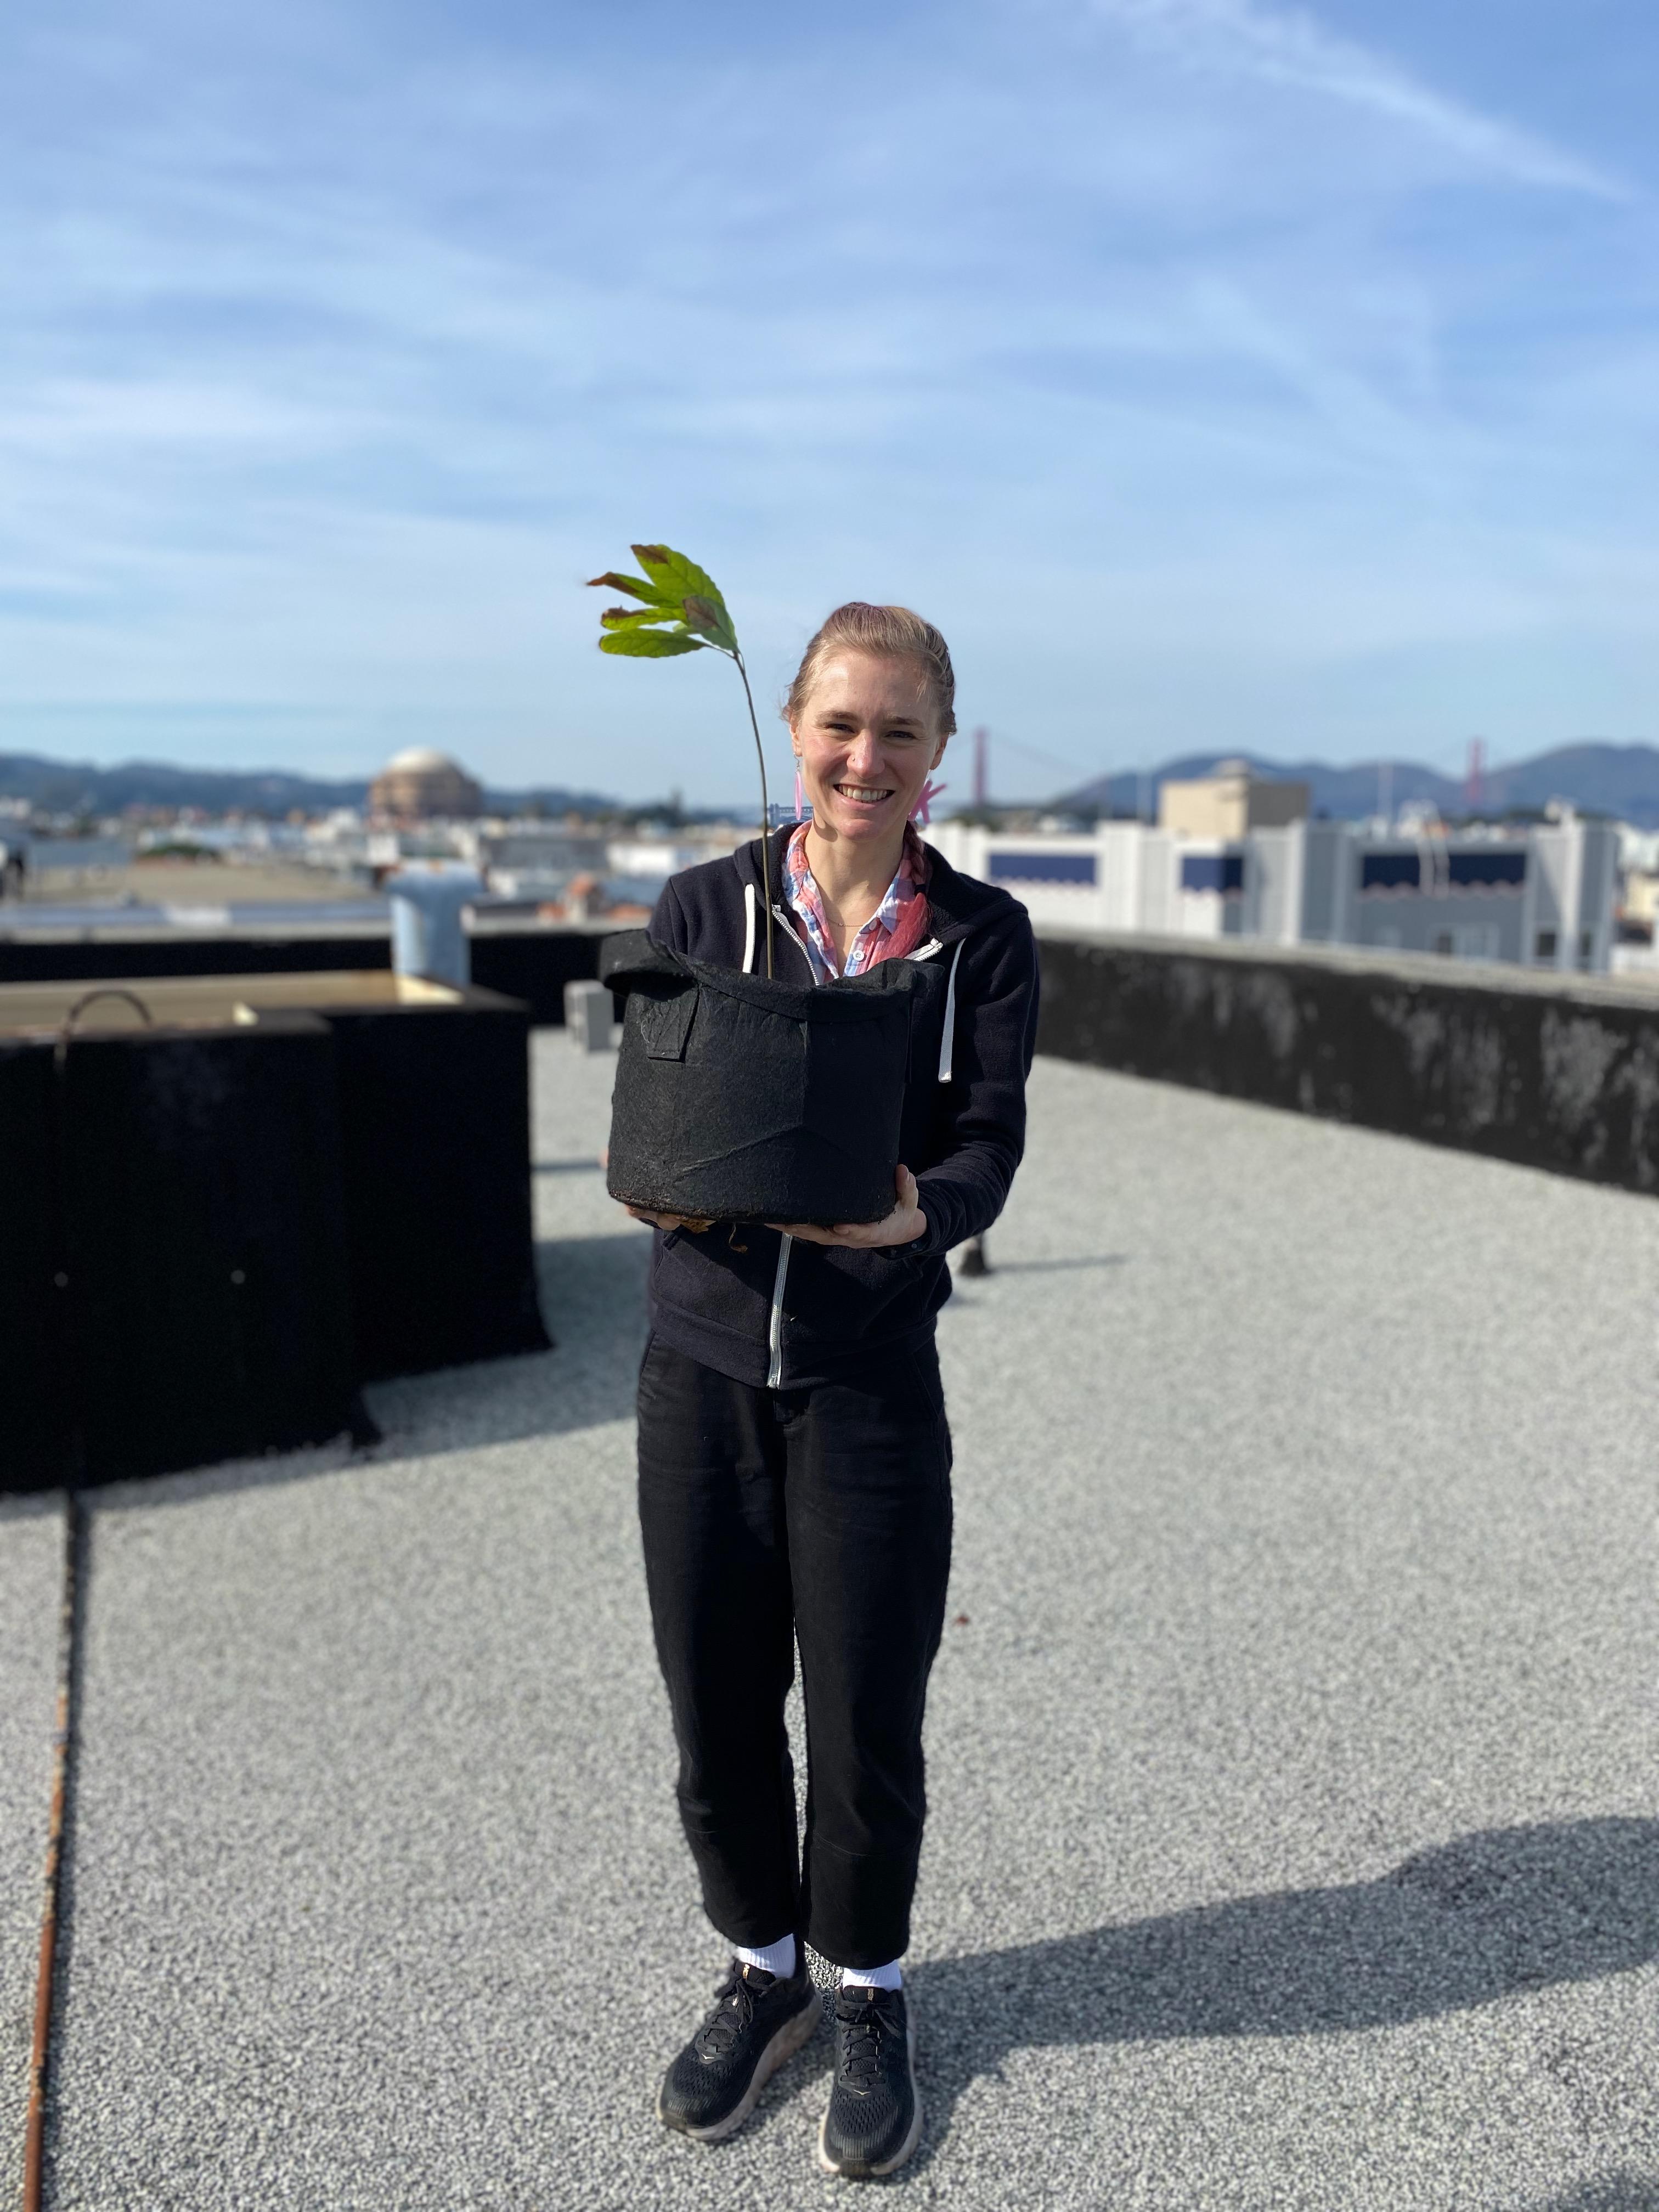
[75,786]
[1345,793]
[1617,780]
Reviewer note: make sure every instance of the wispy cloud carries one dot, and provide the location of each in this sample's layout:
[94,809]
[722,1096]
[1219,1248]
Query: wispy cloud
[1287,46]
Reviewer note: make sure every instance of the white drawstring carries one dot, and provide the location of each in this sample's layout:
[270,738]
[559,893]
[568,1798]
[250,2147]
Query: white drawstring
[748,927]
[947,1040]
[774,1326]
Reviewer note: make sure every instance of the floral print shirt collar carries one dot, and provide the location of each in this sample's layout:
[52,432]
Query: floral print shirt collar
[896,927]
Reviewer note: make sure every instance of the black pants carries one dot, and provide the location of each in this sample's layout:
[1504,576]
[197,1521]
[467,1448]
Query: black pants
[820,1515]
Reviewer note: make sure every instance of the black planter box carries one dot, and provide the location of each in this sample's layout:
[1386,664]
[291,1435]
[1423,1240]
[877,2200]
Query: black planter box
[35,1402]
[173,1287]
[740,1098]
[435,1117]
[434,1086]
[380,1124]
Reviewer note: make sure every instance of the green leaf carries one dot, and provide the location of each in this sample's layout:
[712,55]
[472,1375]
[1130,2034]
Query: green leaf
[649,644]
[636,586]
[674,575]
[676,572]
[711,622]
[637,618]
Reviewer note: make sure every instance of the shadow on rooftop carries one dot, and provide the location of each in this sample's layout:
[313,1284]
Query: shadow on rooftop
[1052,1266]
[592,1299]
[1621,2191]
[1494,1914]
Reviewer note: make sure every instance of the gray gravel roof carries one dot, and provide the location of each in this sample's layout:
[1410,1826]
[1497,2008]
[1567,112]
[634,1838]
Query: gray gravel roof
[1293,1835]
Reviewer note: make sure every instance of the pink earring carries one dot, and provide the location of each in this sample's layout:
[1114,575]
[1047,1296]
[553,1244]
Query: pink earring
[800,797]
[922,810]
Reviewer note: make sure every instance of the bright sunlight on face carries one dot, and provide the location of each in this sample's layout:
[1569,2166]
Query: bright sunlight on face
[867,741]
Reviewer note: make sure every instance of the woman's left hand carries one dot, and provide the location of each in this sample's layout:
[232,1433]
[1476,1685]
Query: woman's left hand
[902,1225]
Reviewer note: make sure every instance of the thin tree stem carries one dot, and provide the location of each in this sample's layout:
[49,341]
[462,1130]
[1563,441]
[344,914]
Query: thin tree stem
[766,808]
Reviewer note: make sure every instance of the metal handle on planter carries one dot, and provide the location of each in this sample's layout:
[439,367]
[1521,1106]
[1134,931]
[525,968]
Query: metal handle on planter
[66,1029]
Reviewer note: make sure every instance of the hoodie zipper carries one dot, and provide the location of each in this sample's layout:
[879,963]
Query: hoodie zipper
[787,1243]
[774,1323]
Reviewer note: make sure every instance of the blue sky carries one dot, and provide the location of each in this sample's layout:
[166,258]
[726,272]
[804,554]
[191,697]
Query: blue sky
[1215,373]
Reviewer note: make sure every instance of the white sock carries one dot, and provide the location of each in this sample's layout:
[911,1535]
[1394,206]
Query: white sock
[777,1957]
[873,1978]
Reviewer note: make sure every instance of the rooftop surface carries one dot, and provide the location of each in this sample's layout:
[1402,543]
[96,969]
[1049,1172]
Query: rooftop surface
[1293,1838]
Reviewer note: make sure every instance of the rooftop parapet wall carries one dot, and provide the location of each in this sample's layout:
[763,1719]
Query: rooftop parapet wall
[1557,1071]
[531,964]
[1539,1069]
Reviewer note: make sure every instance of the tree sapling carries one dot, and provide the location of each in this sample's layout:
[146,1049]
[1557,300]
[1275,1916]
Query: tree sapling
[683,612]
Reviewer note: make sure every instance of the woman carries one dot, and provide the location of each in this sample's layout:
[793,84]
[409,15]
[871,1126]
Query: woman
[794,1459]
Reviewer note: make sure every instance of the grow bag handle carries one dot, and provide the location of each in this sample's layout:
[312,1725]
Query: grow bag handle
[627,959]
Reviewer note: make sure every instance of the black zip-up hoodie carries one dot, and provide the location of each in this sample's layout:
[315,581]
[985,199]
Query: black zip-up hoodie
[772,1312]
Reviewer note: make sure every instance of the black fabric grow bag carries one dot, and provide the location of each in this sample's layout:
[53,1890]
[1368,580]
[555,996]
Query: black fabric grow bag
[740,1098]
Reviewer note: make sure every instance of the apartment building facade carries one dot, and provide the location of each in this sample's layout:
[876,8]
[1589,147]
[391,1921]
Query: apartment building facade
[1543,897]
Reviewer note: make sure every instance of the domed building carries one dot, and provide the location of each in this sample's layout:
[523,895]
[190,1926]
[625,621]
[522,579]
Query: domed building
[421,784]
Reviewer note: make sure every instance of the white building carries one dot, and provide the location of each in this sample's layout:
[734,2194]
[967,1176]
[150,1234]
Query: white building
[1544,896]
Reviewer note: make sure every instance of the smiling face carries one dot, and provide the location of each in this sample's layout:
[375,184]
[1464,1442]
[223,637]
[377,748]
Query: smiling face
[866,738]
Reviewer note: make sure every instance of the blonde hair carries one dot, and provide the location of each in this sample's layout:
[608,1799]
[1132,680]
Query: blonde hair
[895,633]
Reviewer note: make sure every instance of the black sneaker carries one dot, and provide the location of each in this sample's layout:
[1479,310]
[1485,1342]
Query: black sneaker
[757,2021]
[874,2119]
